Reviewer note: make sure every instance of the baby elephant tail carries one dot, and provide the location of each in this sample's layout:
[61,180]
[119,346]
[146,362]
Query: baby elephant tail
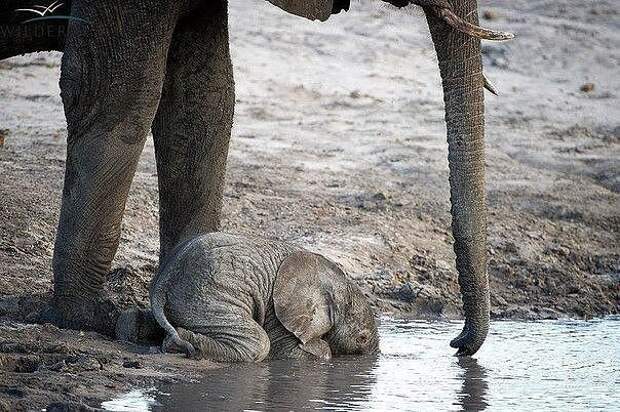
[172,340]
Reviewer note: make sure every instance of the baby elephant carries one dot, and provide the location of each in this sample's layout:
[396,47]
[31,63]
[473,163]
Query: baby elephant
[236,299]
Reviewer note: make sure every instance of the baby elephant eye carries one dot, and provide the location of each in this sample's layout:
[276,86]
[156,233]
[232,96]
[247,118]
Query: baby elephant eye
[362,339]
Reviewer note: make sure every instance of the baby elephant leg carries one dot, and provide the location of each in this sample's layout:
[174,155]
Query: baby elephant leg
[238,340]
[293,349]
[285,345]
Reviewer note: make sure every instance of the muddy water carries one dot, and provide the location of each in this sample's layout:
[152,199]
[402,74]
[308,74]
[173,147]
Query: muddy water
[553,365]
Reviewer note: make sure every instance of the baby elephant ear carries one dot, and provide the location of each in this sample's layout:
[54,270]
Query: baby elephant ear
[302,299]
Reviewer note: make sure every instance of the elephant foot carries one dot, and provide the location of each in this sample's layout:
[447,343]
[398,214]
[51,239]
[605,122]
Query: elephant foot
[104,316]
[97,314]
[138,326]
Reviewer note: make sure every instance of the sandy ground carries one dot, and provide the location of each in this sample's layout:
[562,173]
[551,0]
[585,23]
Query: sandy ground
[339,145]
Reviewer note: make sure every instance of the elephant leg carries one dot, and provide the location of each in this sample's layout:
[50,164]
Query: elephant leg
[111,77]
[285,345]
[193,125]
[230,340]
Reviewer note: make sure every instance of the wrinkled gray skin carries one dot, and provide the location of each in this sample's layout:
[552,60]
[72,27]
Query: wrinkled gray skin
[235,299]
[134,65]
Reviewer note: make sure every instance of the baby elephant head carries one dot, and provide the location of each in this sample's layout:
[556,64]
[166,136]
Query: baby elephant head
[314,300]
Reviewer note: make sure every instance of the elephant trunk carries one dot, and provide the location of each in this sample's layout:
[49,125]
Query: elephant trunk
[460,65]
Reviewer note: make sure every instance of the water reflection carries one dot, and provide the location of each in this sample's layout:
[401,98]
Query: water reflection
[342,384]
[473,393]
[560,365]
[337,385]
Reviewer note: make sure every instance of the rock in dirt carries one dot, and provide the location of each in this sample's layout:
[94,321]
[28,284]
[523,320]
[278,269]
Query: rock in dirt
[489,15]
[132,364]
[587,87]
[3,134]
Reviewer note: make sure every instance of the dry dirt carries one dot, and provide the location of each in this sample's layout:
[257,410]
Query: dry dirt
[339,145]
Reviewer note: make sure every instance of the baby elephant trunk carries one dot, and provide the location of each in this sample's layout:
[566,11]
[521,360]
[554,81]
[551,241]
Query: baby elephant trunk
[355,326]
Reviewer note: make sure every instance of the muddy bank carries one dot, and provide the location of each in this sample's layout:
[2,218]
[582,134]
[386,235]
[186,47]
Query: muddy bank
[43,366]
[339,145]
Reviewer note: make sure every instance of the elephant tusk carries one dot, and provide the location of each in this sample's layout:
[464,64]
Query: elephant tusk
[443,10]
[457,23]
[489,86]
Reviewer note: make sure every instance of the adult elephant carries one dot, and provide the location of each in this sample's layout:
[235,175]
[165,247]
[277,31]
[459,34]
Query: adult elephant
[132,65]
